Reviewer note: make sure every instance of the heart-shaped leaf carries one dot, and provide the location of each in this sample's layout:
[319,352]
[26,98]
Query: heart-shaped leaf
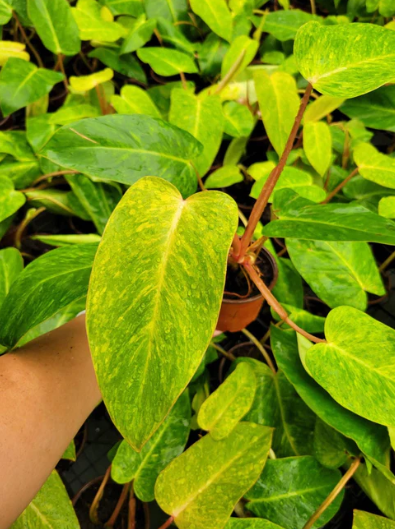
[154,299]
[10,200]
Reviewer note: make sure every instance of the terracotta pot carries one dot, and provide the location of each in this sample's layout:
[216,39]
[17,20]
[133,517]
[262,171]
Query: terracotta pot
[236,314]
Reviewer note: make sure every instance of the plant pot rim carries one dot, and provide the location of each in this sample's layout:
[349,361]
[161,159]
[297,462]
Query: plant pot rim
[257,296]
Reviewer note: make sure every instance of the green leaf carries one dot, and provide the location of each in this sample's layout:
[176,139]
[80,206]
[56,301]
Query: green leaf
[172,35]
[127,65]
[167,443]
[317,144]
[172,10]
[309,322]
[55,25]
[371,438]
[378,488]
[365,520]
[290,490]
[125,148]
[203,484]
[330,447]
[67,240]
[167,62]
[376,110]
[387,207]
[279,103]
[22,83]
[211,54]
[133,8]
[70,452]
[224,408]
[14,142]
[326,59]
[238,120]
[276,404]
[250,523]
[338,272]
[5,12]
[11,265]
[291,178]
[140,33]
[301,219]
[375,166]
[134,100]
[224,177]
[283,25]
[50,508]
[9,48]
[56,201]
[216,14]
[241,45]
[165,342]
[97,199]
[321,107]
[10,200]
[92,26]
[361,349]
[203,118]
[45,286]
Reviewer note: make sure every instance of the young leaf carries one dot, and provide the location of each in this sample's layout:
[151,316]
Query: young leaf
[55,25]
[9,48]
[371,438]
[167,62]
[134,100]
[140,33]
[276,404]
[203,484]
[125,148]
[326,59]
[224,177]
[362,350]
[365,520]
[167,443]
[317,144]
[301,219]
[224,408]
[10,200]
[321,107]
[387,207]
[376,110]
[92,26]
[11,265]
[290,490]
[22,83]
[238,120]
[279,103]
[45,286]
[150,330]
[56,201]
[283,25]
[241,45]
[203,118]
[338,272]
[83,83]
[375,166]
[378,488]
[50,507]
[68,240]
[96,198]
[216,14]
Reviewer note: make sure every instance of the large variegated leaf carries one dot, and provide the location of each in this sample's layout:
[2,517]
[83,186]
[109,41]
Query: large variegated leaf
[125,148]
[51,508]
[359,350]
[375,166]
[154,299]
[334,67]
[201,487]
[366,520]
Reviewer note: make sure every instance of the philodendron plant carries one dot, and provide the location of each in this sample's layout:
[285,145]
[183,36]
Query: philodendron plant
[121,183]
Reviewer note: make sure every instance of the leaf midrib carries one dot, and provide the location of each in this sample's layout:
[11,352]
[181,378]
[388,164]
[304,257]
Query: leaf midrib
[287,495]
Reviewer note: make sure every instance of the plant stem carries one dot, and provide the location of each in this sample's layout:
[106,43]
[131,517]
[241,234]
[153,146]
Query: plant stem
[101,101]
[271,182]
[230,73]
[61,66]
[388,261]
[30,215]
[99,494]
[29,44]
[335,492]
[184,81]
[132,510]
[167,523]
[272,301]
[259,346]
[340,186]
[229,356]
[147,518]
[313,8]
[122,498]
[50,175]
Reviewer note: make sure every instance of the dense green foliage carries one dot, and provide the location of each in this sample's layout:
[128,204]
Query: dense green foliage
[117,117]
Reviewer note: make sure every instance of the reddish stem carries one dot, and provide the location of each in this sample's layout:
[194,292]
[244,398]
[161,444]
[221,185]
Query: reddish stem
[339,187]
[271,182]
[167,523]
[275,304]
